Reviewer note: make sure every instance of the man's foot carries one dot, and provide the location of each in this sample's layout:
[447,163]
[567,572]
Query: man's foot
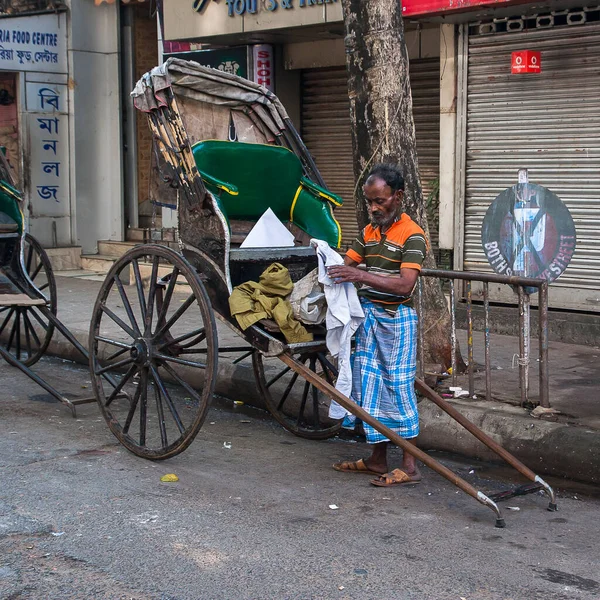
[359,466]
[397,477]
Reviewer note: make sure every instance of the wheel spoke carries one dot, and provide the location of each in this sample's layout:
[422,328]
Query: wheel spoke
[184,384]
[167,297]
[12,331]
[279,376]
[118,321]
[151,297]
[43,287]
[303,403]
[325,364]
[200,332]
[39,319]
[116,354]
[132,370]
[141,390]
[31,330]
[18,334]
[37,271]
[179,361]
[114,366]
[143,413]
[7,319]
[113,342]
[159,382]
[29,259]
[287,391]
[160,411]
[139,287]
[315,399]
[175,317]
[127,305]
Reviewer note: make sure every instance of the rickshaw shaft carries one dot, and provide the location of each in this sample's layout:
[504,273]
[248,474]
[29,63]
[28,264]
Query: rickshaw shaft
[433,464]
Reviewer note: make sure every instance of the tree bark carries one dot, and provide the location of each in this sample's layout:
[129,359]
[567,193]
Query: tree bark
[384,131]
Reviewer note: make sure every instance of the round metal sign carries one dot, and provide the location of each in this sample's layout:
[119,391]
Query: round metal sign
[529,232]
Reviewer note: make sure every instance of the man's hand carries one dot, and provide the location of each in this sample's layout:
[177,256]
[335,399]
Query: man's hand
[345,274]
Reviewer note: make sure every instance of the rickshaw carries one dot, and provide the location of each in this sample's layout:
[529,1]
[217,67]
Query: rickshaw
[226,151]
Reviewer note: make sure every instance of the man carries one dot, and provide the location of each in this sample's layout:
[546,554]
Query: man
[392,249]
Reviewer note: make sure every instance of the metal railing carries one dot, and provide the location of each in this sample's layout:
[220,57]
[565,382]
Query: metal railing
[520,285]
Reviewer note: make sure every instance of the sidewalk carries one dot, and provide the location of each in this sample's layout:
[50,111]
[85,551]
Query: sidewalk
[569,447]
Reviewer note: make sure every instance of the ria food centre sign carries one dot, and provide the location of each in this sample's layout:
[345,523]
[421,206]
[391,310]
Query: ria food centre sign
[209,19]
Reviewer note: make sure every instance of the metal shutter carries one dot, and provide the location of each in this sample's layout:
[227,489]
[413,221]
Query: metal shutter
[548,123]
[326,131]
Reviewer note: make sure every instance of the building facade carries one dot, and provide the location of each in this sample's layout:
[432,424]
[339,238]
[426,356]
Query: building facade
[477,124]
[59,90]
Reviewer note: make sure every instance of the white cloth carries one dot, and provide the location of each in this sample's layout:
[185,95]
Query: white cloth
[344,316]
[269,232]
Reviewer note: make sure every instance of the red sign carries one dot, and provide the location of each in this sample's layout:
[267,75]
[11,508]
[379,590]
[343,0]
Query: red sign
[264,66]
[414,8]
[526,61]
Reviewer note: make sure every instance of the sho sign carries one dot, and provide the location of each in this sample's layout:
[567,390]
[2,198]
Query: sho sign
[526,61]
[264,66]
[529,232]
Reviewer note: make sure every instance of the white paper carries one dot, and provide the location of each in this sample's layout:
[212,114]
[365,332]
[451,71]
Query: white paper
[269,232]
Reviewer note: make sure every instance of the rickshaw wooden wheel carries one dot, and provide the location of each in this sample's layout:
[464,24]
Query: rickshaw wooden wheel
[153,351]
[27,332]
[295,403]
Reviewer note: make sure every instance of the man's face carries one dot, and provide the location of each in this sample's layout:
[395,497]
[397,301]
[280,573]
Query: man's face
[382,203]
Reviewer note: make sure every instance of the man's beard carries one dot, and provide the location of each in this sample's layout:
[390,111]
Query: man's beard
[382,221]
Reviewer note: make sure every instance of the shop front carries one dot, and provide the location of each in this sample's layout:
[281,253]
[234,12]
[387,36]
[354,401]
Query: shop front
[60,122]
[546,121]
[305,67]
[34,119]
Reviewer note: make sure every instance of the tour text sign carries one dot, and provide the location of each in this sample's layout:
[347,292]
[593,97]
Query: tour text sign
[529,232]
[241,7]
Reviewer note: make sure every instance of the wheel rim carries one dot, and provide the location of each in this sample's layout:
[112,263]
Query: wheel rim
[295,403]
[153,352]
[25,331]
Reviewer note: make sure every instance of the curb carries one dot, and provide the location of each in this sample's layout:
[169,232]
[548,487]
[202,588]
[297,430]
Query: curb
[557,449]
[547,448]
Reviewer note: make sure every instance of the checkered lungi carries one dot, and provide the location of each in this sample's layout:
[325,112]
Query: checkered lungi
[384,369]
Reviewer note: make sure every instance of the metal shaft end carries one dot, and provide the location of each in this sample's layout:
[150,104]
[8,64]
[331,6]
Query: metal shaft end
[552,506]
[500,523]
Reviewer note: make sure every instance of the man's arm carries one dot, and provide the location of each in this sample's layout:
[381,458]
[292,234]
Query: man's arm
[400,285]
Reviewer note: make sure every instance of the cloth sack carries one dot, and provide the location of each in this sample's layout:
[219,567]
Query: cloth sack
[308,300]
[252,301]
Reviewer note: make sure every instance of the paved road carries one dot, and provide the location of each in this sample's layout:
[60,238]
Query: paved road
[82,518]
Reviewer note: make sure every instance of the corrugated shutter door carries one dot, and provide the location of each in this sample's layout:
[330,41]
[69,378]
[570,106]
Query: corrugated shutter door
[425,87]
[326,131]
[548,123]
[327,135]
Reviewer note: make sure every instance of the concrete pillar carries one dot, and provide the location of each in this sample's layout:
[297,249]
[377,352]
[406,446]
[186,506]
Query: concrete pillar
[96,142]
[448,92]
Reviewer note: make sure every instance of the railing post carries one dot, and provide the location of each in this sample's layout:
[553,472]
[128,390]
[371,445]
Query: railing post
[421,327]
[471,366]
[486,316]
[543,341]
[453,332]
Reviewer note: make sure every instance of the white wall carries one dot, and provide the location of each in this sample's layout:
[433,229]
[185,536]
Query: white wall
[96,146]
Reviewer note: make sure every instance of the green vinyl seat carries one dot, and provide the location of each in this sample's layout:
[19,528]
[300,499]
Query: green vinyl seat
[11,218]
[250,178]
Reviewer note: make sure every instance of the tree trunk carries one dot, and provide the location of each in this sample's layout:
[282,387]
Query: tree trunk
[384,131]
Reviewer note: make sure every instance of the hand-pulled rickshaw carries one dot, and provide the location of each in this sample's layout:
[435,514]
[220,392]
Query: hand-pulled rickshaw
[227,151]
